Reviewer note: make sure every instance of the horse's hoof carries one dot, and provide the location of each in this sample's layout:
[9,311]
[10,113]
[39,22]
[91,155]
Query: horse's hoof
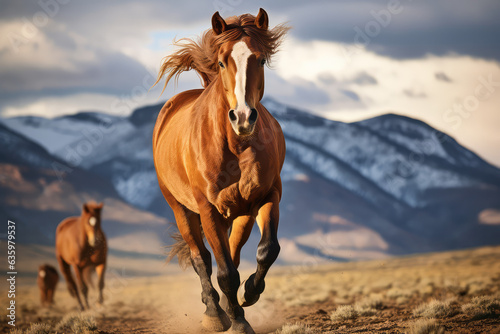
[243,299]
[219,323]
[240,326]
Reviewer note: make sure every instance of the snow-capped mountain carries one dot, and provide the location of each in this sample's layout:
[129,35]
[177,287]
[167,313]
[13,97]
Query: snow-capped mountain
[95,141]
[38,190]
[382,186]
[59,134]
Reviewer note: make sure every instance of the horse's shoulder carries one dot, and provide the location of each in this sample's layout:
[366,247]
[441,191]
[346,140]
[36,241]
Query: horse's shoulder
[273,124]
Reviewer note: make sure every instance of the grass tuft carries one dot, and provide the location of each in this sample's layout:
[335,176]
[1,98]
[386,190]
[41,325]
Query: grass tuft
[295,329]
[482,307]
[369,306]
[343,313]
[426,326]
[434,309]
[35,328]
[364,310]
[78,323]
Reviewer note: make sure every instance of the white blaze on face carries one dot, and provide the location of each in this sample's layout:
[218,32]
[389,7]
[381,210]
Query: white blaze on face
[240,54]
[91,236]
[42,273]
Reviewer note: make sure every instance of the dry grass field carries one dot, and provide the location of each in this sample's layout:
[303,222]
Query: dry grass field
[452,292]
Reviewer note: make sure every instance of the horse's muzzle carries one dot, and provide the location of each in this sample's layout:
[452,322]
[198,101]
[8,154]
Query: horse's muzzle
[243,123]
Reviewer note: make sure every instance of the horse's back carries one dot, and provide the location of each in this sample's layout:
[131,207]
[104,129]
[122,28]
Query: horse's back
[169,142]
[66,235]
[66,225]
[52,271]
[170,108]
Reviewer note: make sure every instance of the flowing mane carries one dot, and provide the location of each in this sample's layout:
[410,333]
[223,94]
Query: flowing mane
[201,55]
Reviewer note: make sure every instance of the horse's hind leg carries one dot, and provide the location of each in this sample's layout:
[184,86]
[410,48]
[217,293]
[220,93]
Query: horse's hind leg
[81,282]
[267,251]
[70,282]
[188,222]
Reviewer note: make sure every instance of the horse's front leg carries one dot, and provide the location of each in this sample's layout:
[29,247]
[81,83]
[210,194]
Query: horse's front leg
[50,296]
[267,251]
[43,297]
[216,232]
[100,276]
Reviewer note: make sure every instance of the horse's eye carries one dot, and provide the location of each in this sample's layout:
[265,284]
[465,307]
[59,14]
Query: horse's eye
[221,64]
[263,62]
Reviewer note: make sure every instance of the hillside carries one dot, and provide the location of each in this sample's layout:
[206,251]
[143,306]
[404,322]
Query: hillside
[39,190]
[371,189]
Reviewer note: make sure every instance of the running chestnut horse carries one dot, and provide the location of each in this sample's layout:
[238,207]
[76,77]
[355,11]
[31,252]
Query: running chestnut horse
[80,243]
[218,155]
[47,281]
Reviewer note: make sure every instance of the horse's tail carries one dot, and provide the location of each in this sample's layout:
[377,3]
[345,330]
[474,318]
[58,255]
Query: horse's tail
[180,249]
[87,276]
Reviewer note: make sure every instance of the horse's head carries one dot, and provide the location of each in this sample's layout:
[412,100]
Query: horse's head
[235,51]
[241,66]
[41,271]
[91,220]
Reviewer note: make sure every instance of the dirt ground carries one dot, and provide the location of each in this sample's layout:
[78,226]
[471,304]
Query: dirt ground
[390,296]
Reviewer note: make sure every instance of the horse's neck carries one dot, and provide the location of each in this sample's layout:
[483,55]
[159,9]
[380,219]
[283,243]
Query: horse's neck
[218,107]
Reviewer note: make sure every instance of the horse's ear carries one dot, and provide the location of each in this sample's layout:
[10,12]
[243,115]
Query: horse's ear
[100,205]
[86,208]
[218,24]
[262,20]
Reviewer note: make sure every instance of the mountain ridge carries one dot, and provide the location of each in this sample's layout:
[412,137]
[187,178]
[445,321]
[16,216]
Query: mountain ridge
[341,181]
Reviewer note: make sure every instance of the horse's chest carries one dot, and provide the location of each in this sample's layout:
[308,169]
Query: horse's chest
[240,191]
[91,255]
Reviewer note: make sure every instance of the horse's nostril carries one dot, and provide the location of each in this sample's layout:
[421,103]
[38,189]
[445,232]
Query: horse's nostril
[253,116]
[232,116]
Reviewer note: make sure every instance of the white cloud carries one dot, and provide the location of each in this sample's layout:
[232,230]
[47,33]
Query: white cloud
[407,87]
[64,68]
[121,105]
[58,106]
[92,54]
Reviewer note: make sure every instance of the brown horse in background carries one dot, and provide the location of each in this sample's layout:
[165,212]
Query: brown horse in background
[218,155]
[80,243]
[47,281]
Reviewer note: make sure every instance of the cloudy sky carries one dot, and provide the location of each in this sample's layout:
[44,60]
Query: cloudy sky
[435,60]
